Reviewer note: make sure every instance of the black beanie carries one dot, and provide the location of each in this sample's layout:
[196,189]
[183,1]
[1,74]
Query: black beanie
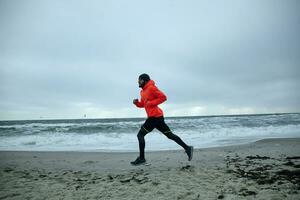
[144,77]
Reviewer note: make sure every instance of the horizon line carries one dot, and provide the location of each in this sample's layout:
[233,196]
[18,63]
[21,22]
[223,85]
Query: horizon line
[186,116]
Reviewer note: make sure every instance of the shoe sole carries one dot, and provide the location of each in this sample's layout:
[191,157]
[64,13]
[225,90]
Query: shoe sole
[192,150]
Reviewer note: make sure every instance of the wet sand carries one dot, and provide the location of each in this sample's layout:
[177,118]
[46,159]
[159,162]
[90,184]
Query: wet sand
[266,169]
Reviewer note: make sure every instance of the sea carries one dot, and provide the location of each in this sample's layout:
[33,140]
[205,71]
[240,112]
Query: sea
[120,135]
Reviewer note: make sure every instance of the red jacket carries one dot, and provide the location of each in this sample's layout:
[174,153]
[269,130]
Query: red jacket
[151,97]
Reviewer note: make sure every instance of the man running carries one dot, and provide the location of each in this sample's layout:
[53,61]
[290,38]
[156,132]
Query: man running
[151,97]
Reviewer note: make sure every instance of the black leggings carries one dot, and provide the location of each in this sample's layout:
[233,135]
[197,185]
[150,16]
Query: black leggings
[159,123]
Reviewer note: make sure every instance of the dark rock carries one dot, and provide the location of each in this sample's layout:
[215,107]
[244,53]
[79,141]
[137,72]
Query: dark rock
[155,182]
[246,192]
[290,174]
[266,181]
[293,157]
[141,179]
[42,175]
[185,167]
[289,163]
[258,157]
[8,169]
[125,180]
[79,179]
[279,182]
[77,187]
[110,177]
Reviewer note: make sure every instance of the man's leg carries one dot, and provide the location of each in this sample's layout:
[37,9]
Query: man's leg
[164,128]
[141,134]
[147,127]
[176,138]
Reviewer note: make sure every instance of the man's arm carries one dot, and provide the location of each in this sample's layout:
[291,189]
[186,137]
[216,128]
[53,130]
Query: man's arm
[160,97]
[138,103]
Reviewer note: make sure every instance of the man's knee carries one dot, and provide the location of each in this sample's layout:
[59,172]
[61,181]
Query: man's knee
[141,134]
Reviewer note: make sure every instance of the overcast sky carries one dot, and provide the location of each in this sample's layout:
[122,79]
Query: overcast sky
[64,59]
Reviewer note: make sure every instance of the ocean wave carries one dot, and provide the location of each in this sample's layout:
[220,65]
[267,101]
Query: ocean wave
[121,135]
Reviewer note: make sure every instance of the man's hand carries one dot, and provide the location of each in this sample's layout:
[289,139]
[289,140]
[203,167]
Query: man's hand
[135,101]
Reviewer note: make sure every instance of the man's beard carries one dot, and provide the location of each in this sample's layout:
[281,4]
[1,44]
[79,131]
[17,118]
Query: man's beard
[141,85]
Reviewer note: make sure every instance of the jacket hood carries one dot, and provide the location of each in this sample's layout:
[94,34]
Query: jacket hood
[151,82]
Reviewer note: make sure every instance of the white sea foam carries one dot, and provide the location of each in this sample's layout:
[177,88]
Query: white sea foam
[121,135]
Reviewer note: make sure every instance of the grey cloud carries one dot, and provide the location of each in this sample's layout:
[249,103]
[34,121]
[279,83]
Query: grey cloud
[57,54]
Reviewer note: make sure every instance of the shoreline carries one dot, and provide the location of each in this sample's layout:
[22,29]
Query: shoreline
[151,151]
[265,169]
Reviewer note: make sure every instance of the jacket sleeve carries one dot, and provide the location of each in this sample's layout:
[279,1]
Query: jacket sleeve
[140,104]
[160,97]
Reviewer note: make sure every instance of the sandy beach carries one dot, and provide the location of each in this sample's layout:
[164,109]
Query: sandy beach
[266,169]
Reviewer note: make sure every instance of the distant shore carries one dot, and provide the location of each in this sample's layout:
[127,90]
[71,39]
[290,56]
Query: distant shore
[266,169]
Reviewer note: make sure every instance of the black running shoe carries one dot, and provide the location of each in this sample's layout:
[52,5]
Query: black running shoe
[138,161]
[189,152]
